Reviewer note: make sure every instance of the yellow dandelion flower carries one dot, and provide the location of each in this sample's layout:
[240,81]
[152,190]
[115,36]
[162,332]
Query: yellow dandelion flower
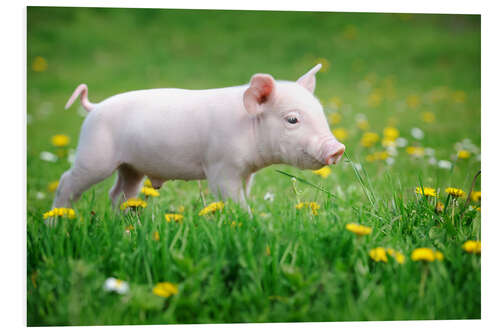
[439,207]
[334,118]
[386,142]
[147,183]
[165,289]
[455,192]
[472,246]
[392,121]
[314,207]
[358,229]
[415,151]
[235,224]
[463,154]
[381,155]
[340,133]
[39,64]
[363,124]
[63,212]
[150,192]
[60,140]
[325,64]
[335,102]
[391,133]
[369,139]
[400,258]
[371,78]
[350,32]
[478,209]
[311,205]
[212,208]
[156,236]
[475,196]
[52,187]
[377,156]
[374,99]
[48,214]
[133,203]
[129,228]
[459,96]
[413,101]
[428,117]
[181,209]
[438,94]
[323,172]
[378,254]
[173,217]
[426,254]
[428,191]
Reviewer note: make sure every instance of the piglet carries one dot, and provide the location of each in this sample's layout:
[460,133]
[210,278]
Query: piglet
[223,135]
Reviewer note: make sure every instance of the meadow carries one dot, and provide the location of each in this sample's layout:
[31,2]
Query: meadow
[401,91]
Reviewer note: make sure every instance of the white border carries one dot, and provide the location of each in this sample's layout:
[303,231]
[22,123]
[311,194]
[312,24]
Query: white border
[13,102]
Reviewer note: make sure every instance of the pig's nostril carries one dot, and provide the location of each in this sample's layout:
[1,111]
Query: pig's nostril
[335,157]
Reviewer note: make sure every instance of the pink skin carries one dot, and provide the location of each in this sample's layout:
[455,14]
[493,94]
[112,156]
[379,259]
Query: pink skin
[223,135]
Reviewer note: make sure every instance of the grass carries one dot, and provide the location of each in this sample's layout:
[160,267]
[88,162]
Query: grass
[283,264]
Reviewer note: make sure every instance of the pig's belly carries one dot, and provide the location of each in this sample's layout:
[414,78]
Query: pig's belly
[167,165]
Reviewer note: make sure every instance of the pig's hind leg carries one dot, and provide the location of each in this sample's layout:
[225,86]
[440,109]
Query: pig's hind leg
[127,185]
[76,181]
[95,161]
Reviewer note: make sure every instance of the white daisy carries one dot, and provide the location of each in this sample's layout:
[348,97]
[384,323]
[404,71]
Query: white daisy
[401,142]
[48,156]
[119,286]
[269,196]
[429,151]
[392,151]
[417,133]
[443,164]
[71,156]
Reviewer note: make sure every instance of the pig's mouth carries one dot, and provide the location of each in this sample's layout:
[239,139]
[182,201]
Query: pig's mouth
[309,161]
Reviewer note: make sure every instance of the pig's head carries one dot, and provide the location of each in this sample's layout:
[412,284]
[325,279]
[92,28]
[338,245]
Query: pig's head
[292,124]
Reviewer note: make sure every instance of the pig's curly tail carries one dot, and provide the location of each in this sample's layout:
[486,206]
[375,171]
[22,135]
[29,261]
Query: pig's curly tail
[81,91]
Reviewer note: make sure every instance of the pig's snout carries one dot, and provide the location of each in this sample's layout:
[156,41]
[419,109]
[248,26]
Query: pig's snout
[333,151]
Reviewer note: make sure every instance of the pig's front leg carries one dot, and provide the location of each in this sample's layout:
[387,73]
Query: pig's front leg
[226,184]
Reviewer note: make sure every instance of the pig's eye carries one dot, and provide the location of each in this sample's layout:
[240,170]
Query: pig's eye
[292,120]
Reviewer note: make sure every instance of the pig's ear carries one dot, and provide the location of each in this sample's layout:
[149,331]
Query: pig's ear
[308,80]
[261,90]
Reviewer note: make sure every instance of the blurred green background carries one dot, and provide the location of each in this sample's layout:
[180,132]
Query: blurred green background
[402,71]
